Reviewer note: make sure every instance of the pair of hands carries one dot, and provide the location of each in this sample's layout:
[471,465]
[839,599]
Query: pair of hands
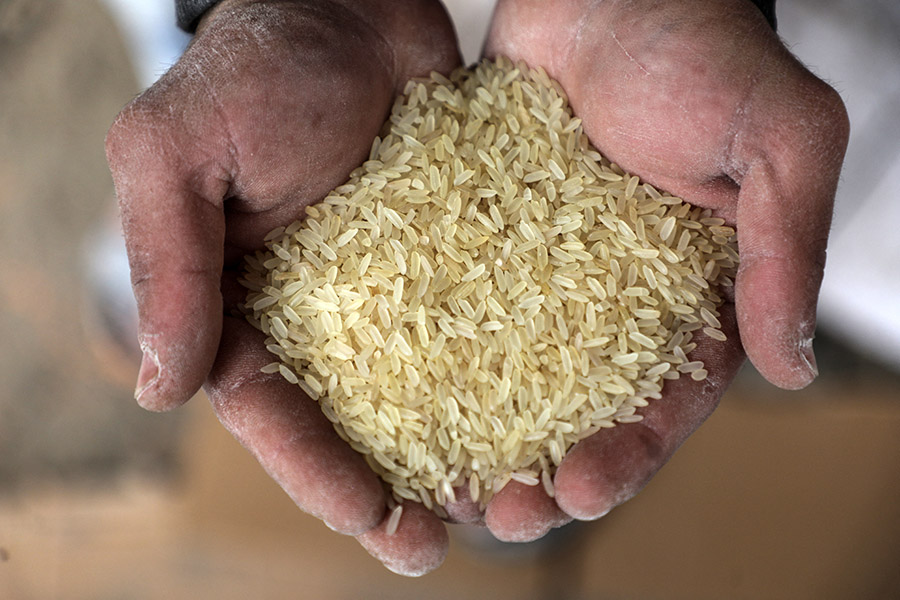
[275,102]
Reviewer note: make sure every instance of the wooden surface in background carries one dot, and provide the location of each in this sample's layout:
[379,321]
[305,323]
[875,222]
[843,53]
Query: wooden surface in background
[64,74]
[767,500]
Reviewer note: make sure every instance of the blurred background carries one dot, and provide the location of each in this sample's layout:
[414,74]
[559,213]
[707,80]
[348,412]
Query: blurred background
[779,495]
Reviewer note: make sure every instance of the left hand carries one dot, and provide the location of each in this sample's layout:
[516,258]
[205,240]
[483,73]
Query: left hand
[271,106]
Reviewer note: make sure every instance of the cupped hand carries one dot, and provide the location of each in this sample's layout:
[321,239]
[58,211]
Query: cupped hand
[271,107]
[699,98]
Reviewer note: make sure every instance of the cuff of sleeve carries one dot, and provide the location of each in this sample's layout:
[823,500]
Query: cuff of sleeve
[768,10]
[188,12]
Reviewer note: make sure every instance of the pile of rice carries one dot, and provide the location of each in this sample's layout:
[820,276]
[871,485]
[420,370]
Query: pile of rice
[487,289]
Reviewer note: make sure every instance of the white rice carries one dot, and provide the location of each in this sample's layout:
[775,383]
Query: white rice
[486,290]
[394,520]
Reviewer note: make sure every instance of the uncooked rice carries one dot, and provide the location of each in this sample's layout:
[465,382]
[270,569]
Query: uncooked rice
[486,290]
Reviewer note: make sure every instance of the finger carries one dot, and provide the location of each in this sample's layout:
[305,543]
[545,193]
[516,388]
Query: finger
[290,436]
[608,468]
[523,513]
[788,159]
[418,546]
[174,230]
[463,509]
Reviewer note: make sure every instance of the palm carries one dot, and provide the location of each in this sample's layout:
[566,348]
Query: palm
[312,98]
[662,100]
[323,108]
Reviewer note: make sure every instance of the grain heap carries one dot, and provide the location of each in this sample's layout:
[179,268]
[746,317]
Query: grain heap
[486,289]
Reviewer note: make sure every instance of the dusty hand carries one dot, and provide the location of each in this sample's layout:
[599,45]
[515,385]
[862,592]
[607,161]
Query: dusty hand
[700,99]
[271,107]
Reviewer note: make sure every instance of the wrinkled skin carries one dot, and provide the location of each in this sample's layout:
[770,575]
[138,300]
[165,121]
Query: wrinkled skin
[275,103]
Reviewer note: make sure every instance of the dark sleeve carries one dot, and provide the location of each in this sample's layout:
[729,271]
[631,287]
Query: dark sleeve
[188,12]
[768,10]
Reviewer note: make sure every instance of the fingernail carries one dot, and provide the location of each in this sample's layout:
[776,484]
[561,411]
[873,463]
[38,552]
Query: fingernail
[148,373]
[809,357]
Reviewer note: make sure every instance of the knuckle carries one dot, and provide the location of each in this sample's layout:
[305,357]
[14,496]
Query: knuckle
[135,129]
[831,112]
[840,116]
[129,120]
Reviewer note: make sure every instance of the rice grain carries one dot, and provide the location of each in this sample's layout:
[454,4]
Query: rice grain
[486,290]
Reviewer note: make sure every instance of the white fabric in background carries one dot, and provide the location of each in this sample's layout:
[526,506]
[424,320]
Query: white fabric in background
[153,39]
[855,46]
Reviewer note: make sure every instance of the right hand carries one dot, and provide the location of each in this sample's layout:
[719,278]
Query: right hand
[702,99]
[271,107]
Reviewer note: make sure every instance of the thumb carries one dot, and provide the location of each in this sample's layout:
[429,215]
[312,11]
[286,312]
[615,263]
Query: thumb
[792,157]
[171,210]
